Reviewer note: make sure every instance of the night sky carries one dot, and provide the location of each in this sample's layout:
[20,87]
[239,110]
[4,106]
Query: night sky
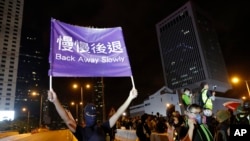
[137,19]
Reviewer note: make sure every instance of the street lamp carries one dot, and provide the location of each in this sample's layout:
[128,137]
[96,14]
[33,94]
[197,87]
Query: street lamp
[76,104]
[28,116]
[41,106]
[87,86]
[75,86]
[237,80]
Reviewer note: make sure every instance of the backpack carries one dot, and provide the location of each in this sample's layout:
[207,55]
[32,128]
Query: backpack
[200,101]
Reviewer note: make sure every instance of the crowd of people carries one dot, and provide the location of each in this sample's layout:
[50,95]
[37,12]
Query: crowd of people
[197,123]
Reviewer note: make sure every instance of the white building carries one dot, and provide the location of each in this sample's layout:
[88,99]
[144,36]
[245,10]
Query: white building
[159,101]
[11,15]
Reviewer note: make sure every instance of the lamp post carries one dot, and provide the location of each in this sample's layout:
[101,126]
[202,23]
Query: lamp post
[77,114]
[247,87]
[41,110]
[75,86]
[82,103]
[236,80]
[28,117]
[41,107]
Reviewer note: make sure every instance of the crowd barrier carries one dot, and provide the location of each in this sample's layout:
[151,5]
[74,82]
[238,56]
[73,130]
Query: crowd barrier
[130,135]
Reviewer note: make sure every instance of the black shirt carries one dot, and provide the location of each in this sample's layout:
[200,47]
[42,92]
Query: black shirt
[94,133]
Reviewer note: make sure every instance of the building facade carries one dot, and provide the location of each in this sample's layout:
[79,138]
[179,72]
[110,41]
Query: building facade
[11,14]
[31,77]
[157,103]
[98,98]
[190,50]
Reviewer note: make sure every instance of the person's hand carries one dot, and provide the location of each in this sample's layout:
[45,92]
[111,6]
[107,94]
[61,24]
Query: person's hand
[52,97]
[133,93]
[191,123]
[213,93]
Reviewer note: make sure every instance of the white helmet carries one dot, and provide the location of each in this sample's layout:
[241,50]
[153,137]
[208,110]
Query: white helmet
[207,112]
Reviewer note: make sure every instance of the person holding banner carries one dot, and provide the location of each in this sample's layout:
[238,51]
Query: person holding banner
[91,131]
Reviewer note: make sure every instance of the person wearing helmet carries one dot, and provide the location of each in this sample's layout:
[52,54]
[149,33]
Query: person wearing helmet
[241,116]
[246,105]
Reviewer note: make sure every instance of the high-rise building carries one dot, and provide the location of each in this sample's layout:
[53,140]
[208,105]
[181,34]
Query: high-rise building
[11,14]
[32,77]
[98,98]
[30,73]
[190,50]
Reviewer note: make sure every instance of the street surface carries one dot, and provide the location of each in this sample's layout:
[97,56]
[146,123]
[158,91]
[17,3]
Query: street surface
[56,135]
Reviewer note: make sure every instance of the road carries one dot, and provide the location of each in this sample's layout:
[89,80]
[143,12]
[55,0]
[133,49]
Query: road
[57,135]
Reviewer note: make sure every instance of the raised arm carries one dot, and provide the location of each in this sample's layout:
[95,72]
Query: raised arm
[132,95]
[64,114]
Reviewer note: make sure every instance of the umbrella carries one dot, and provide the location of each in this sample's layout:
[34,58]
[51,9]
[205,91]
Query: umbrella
[231,104]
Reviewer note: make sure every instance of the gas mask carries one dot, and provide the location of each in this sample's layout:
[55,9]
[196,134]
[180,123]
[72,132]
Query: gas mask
[198,118]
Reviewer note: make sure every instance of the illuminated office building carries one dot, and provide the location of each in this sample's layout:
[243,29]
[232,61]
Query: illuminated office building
[98,98]
[11,13]
[190,50]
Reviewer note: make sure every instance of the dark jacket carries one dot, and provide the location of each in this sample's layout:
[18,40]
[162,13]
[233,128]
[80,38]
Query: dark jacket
[143,132]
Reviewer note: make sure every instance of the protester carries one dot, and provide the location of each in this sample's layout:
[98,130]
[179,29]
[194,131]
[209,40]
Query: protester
[232,116]
[186,97]
[223,128]
[241,116]
[206,102]
[206,96]
[246,107]
[142,131]
[91,131]
[176,122]
[170,129]
[196,128]
[113,129]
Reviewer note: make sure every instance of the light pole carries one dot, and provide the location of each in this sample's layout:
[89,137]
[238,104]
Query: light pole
[41,110]
[28,117]
[82,103]
[75,86]
[77,114]
[41,107]
[247,87]
[236,80]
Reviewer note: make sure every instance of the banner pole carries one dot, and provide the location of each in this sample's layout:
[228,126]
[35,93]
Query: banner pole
[133,83]
[50,82]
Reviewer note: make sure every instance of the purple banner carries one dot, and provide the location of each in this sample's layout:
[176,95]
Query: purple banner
[77,51]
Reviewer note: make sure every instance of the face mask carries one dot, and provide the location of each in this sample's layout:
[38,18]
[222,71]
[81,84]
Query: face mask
[90,120]
[198,118]
[187,93]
